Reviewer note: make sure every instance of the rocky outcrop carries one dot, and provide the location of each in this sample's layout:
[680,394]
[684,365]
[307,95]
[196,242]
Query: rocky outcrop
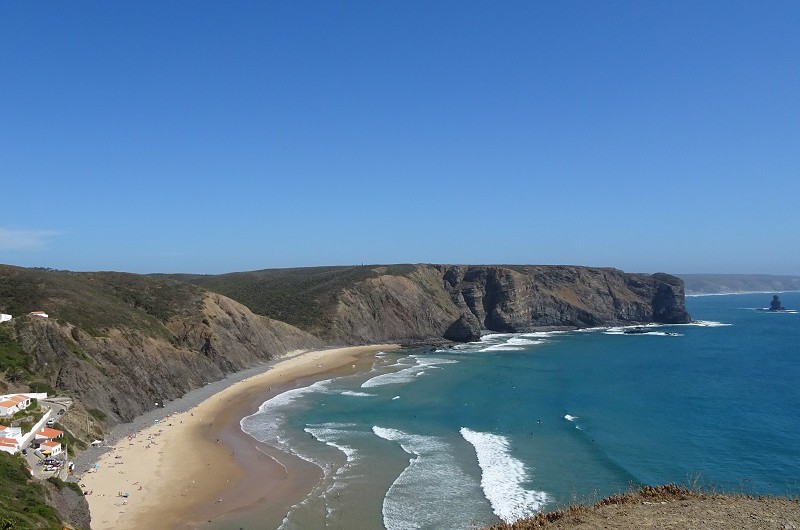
[125,372]
[69,502]
[775,304]
[465,329]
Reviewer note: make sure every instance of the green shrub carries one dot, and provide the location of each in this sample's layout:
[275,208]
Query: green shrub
[11,355]
[98,414]
[40,386]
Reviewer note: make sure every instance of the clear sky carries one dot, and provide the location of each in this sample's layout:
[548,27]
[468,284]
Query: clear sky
[202,136]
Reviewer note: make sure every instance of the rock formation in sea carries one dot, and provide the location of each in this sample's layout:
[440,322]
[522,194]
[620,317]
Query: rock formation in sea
[775,305]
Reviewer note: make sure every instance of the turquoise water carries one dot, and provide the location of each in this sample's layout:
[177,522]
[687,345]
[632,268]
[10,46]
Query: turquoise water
[462,437]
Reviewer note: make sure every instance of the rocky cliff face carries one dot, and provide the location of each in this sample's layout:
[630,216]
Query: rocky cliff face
[71,505]
[459,302]
[125,372]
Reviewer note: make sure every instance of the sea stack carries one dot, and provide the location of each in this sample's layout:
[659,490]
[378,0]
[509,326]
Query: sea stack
[775,305]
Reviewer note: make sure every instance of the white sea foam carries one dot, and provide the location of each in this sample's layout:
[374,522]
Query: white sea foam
[646,329]
[706,324]
[507,342]
[503,477]
[334,479]
[431,491]
[331,434]
[766,310]
[268,423]
[407,375]
[356,394]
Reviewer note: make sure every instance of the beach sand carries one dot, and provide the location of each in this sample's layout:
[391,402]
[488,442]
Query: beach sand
[195,466]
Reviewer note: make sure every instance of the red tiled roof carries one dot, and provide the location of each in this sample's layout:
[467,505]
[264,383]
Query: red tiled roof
[47,432]
[51,444]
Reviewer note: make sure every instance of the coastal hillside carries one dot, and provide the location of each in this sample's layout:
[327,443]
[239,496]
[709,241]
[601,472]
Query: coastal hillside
[363,304]
[739,283]
[29,503]
[119,343]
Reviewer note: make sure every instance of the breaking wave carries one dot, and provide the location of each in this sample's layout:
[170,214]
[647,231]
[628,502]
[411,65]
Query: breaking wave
[429,492]
[406,375]
[503,476]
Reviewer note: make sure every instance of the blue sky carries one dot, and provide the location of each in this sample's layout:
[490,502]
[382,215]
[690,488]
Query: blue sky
[209,137]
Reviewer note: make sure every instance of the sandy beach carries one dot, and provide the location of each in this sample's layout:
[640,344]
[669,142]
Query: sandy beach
[195,466]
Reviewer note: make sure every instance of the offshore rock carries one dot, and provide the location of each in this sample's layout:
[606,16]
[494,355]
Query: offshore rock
[775,305]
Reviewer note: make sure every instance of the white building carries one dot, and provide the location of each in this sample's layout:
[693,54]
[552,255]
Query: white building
[41,314]
[10,438]
[4,317]
[46,433]
[10,405]
[50,448]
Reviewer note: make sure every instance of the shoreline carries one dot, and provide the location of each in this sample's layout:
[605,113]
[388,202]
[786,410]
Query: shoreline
[197,465]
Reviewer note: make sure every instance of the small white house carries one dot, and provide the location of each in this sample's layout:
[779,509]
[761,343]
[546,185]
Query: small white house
[9,445]
[46,433]
[40,314]
[50,448]
[4,317]
[10,438]
[10,405]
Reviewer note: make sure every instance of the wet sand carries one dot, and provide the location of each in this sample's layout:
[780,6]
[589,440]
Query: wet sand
[197,466]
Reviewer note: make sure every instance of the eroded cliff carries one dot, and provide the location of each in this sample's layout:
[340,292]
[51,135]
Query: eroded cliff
[460,302]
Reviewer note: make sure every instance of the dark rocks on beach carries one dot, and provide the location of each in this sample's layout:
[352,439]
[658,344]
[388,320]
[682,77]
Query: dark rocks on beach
[775,305]
[465,329]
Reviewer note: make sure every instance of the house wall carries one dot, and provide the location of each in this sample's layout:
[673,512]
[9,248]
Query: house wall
[8,411]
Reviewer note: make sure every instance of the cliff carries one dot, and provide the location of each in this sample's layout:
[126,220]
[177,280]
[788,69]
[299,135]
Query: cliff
[423,302]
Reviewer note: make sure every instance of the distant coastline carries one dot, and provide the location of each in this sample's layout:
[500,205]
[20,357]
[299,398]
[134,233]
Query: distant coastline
[692,295]
[706,284]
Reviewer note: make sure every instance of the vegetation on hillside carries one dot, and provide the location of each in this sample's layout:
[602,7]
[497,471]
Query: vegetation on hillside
[96,301]
[13,360]
[22,499]
[303,297]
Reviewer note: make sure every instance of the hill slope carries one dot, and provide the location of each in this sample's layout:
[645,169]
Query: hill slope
[669,508]
[119,342]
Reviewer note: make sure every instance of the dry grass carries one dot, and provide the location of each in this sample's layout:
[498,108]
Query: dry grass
[644,495]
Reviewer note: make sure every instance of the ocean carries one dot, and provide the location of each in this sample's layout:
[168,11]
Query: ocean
[465,436]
